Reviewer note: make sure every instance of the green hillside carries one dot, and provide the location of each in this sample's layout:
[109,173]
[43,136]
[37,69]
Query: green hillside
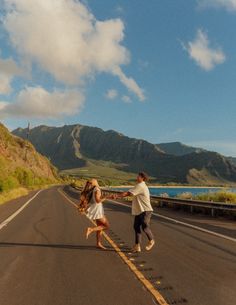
[107,173]
[21,165]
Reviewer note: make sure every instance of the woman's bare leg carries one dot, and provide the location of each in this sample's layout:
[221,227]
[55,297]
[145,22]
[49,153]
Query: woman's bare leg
[102,224]
[99,234]
[99,240]
[94,229]
[99,237]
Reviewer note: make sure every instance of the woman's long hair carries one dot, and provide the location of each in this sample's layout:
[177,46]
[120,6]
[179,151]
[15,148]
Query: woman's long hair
[86,196]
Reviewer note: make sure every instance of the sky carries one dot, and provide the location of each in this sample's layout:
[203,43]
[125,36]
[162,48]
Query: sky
[162,71]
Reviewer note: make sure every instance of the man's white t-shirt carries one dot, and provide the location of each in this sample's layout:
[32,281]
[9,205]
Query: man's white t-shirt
[141,201]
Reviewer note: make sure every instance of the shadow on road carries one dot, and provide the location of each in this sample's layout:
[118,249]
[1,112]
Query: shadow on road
[54,246]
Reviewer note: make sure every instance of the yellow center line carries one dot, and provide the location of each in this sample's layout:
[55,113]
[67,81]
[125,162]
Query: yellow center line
[149,286]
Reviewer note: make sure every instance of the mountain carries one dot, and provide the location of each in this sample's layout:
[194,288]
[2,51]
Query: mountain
[178,149]
[21,164]
[74,146]
[232,159]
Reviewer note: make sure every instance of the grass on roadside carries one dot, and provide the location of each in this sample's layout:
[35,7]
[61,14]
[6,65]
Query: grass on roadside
[222,196]
[22,191]
[13,194]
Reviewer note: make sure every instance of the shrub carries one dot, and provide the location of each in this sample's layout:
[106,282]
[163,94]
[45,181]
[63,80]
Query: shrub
[24,176]
[185,195]
[164,195]
[8,184]
[222,196]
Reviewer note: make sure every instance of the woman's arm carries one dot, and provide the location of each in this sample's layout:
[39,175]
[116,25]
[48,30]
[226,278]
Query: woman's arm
[98,196]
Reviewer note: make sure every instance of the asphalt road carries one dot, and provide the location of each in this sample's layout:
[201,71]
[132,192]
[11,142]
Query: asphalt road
[45,259]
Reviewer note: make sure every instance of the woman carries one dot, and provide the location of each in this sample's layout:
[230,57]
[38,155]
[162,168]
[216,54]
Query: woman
[95,212]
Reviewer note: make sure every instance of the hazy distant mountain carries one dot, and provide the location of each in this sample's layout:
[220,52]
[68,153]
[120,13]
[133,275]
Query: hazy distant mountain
[232,159]
[72,146]
[178,148]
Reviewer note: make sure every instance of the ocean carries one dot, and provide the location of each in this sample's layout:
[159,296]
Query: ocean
[175,191]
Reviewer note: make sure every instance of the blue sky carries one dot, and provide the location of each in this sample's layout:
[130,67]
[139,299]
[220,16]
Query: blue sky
[158,70]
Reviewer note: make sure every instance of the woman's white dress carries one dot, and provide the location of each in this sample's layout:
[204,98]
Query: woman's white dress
[95,210]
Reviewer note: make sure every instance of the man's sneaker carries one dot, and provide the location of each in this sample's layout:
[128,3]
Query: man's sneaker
[136,249]
[150,245]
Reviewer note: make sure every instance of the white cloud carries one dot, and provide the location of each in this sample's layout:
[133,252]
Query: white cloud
[36,102]
[2,106]
[111,94]
[202,53]
[8,70]
[64,38]
[129,83]
[126,99]
[229,5]
[5,84]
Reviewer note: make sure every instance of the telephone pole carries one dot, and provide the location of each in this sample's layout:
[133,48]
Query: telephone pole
[27,137]
[28,131]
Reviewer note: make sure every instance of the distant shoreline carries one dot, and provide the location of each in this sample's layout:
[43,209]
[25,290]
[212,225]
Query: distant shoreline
[176,187]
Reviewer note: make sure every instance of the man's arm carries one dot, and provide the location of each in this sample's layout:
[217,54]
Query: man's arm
[122,195]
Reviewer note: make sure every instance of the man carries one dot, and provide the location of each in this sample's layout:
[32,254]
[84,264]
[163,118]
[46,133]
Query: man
[142,210]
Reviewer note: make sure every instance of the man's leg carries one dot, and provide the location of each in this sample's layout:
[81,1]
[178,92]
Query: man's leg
[138,233]
[146,225]
[147,230]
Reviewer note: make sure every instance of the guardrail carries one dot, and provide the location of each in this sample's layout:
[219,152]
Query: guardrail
[214,208]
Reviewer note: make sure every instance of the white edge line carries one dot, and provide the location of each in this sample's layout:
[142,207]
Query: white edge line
[10,218]
[183,223]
